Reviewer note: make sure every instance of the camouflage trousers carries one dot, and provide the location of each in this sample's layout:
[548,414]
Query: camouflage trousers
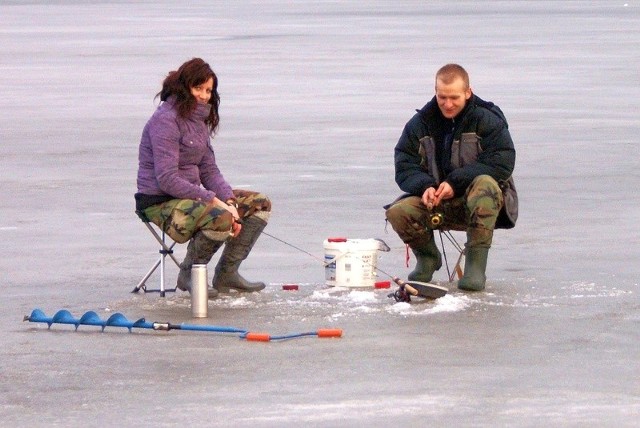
[181,218]
[476,212]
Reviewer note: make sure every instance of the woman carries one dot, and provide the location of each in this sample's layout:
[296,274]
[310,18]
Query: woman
[181,189]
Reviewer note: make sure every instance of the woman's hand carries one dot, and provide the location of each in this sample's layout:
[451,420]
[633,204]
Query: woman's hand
[236,227]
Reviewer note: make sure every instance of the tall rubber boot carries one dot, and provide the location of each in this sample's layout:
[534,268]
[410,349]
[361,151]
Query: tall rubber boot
[236,250]
[199,251]
[475,266]
[428,259]
[479,241]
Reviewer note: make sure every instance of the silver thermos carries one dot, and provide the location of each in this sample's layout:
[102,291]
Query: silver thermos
[199,293]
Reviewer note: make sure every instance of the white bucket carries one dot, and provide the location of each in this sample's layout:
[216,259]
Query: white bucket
[350,262]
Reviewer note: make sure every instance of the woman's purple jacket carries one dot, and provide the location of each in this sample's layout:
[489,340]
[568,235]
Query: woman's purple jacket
[176,158]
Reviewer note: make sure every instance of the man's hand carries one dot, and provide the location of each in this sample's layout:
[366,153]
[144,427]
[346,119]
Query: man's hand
[432,197]
[429,197]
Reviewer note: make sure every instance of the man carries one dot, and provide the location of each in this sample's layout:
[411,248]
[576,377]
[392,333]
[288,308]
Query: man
[454,160]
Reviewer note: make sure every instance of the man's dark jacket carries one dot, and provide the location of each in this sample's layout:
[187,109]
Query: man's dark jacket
[433,149]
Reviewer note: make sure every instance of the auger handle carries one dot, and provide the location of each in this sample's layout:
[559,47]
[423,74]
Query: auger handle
[258,337]
[330,332]
[265,337]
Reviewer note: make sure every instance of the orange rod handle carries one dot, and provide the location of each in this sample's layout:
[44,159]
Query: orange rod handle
[411,290]
[330,332]
[258,337]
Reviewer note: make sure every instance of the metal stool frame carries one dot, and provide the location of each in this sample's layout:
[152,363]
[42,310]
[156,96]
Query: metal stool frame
[165,250]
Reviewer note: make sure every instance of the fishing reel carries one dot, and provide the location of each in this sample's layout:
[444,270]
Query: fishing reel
[401,295]
[435,220]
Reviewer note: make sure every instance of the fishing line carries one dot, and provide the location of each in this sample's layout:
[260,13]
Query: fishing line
[393,277]
[293,246]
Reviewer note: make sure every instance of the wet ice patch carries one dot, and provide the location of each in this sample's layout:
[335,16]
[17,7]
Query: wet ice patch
[340,302]
[361,296]
[450,303]
[346,301]
[580,290]
[400,308]
[322,295]
[312,300]
[234,302]
[447,303]
[365,309]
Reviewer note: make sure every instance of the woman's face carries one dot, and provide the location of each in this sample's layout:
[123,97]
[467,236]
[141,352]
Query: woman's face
[202,92]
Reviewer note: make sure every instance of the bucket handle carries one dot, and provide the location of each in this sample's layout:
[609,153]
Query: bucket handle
[382,246]
[327,263]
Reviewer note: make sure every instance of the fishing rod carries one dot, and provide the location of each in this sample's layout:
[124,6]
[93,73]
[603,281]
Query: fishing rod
[405,290]
[91,318]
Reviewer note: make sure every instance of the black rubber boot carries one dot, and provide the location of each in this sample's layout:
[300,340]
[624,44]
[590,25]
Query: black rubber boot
[428,259]
[199,251]
[236,250]
[475,266]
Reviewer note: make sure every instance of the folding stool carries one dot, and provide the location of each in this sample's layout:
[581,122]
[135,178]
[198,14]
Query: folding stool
[457,268]
[165,250]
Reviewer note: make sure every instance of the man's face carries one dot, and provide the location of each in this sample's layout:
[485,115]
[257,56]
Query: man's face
[452,97]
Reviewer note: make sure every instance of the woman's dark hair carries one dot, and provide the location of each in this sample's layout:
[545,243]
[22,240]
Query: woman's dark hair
[179,83]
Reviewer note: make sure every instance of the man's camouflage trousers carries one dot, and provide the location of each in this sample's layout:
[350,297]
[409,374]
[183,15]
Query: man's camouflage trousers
[476,212]
[181,218]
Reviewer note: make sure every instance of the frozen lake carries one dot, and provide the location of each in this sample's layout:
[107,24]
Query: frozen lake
[314,97]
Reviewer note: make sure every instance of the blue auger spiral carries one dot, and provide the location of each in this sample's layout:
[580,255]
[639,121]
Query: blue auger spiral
[88,318]
[63,316]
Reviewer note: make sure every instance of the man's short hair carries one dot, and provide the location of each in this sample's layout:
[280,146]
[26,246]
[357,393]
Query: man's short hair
[450,72]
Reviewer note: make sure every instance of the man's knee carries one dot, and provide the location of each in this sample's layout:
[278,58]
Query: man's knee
[394,213]
[484,191]
[484,202]
[484,183]
[403,211]
[408,219]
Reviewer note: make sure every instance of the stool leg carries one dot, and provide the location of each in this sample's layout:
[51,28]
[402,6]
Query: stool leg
[161,262]
[141,285]
[163,253]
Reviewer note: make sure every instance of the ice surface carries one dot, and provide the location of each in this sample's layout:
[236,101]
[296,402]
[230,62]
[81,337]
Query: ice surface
[314,97]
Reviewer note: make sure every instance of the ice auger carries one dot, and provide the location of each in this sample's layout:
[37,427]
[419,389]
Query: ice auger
[118,320]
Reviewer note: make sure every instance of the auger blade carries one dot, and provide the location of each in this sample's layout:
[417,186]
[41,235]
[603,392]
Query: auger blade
[91,318]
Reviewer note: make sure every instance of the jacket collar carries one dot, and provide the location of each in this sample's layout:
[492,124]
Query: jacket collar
[201,112]
[431,109]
